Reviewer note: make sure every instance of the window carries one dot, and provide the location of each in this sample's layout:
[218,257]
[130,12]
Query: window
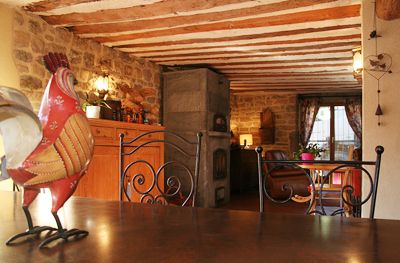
[332,132]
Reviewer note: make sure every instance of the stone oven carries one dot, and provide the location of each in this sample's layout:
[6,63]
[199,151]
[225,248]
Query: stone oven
[198,100]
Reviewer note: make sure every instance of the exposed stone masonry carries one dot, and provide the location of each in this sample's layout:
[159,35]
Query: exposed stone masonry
[135,81]
[245,118]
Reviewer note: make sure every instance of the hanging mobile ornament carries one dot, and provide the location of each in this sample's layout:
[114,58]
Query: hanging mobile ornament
[378,66]
[379,111]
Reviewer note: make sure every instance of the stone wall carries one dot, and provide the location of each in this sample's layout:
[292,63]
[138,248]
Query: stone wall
[135,81]
[245,118]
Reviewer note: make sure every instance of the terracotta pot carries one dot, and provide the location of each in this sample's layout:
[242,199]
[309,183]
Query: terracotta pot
[93,112]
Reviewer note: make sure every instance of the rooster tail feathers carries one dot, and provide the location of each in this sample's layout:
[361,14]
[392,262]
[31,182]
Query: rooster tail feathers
[53,61]
[4,175]
[19,126]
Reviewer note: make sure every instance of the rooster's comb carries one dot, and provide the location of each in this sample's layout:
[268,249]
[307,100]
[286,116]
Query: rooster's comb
[55,60]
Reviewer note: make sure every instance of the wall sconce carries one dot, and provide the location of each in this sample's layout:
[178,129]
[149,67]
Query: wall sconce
[246,140]
[102,85]
[357,61]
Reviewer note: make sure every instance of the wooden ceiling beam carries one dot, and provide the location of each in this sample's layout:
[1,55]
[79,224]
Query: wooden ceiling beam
[47,5]
[297,91]
[241,37]
[282,61]
[282,64]
[298,80]
[255,59]
[301,46]
[179,20]
[244,76]
[388,9]
[299,88]
[160,8]
[295,87]
[287,19]
[234,56]
[285,49]
[291,66]
[316,83]
[263,43]
[288,81]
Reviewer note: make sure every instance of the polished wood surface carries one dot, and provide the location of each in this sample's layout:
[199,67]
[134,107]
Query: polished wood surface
[102,178]
[132,232]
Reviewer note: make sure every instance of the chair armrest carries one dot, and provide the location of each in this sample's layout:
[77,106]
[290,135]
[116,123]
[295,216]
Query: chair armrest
[285,172]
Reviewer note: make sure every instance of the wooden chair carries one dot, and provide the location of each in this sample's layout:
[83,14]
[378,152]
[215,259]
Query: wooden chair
[316,190]
[151,181]
[334,182]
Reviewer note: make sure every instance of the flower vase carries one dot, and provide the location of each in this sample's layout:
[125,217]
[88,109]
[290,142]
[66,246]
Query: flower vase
[307,157]
[93,112]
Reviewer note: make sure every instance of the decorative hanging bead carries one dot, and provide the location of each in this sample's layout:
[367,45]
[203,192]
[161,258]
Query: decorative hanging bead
[378,111]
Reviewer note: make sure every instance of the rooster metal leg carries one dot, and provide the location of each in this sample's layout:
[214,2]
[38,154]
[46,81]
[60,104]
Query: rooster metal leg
[32,230]
[63,233]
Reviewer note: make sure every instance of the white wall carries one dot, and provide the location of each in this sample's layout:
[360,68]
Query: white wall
[8,71]
[388,134]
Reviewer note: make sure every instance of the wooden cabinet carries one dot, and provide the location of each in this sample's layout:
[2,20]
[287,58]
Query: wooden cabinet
[244,173]
[102,178]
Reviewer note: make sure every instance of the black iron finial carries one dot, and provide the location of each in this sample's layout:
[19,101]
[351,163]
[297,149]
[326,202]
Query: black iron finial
[379,149]
[259,149]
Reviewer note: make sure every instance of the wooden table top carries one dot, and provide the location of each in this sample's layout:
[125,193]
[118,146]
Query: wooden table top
[129,232]
[323,166]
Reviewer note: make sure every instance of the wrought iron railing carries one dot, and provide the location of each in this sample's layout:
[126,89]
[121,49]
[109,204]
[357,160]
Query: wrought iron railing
[133,180]
[318,190]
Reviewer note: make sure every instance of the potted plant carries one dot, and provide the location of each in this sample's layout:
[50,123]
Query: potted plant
[309,152]
[92,107]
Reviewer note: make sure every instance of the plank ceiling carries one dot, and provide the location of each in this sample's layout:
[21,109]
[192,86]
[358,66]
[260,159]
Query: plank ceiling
[260,45]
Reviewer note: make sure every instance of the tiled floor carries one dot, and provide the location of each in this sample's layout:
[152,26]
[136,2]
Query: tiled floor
[250,201]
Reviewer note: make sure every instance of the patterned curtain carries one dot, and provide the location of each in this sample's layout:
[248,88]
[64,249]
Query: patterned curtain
[308,112]
[353,109]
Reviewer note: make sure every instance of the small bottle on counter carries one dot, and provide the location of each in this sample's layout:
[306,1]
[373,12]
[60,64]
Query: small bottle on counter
[140,118]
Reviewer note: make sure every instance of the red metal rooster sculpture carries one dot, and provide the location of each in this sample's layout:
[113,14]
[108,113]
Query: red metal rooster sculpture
[52,150]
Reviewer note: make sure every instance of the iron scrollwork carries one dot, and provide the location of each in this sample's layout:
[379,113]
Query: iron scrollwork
[151,187]
[346,190]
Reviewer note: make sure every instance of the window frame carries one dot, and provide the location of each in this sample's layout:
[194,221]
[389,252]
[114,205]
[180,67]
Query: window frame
[331,101]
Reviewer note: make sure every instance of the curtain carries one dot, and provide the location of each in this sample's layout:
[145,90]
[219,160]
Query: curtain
[353,109]
[308,112]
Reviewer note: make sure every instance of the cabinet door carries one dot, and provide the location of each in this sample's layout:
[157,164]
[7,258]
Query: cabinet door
[144,178]
[102,179]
